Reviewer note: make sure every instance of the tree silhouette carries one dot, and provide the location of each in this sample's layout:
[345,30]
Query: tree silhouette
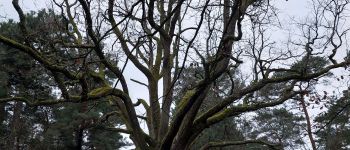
[85,61]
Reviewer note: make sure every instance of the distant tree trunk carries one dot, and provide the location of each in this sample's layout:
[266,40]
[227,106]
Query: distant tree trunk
[16,127]
[2,112]
[79,139]
[3,94]
[79,134]
[308,123]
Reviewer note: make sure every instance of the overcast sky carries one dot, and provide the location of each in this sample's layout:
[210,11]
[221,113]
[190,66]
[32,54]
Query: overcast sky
[297,9]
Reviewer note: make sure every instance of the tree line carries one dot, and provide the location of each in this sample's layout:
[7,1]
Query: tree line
[63,83]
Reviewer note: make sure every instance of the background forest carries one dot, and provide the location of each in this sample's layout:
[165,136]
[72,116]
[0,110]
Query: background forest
[174,74]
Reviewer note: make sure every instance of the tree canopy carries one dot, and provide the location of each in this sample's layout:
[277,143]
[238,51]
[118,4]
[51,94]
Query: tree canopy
[74,71]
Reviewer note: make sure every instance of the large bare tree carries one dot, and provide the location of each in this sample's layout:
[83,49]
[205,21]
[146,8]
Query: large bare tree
[160,38]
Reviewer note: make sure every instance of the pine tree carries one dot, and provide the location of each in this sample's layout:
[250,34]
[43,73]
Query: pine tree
[333,126]
[46,127]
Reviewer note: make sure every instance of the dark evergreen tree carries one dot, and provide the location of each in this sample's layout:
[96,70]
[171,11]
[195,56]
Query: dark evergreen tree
[333,126]
[47,127]
[278,126]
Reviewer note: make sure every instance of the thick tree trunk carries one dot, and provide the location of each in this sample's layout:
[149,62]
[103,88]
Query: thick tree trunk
[167,90]
[155,108]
